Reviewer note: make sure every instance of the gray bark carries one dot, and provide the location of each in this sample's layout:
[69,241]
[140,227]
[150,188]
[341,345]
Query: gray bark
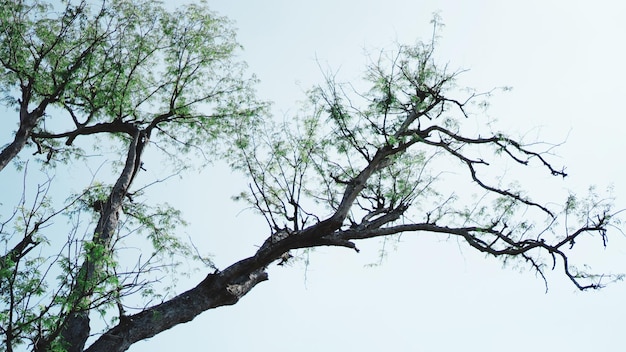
[76,329]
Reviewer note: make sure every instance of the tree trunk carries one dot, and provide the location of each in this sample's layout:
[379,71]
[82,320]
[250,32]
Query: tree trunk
[27,123]
[76,330]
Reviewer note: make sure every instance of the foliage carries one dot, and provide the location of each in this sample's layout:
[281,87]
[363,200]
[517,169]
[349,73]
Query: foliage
[375,161]
[139,75]
[127,77]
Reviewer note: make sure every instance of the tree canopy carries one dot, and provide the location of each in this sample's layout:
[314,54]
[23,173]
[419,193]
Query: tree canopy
[359,161]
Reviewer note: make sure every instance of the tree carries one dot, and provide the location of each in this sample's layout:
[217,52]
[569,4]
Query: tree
[134,78]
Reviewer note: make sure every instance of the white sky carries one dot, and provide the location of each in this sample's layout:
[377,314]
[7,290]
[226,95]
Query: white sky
[565,62]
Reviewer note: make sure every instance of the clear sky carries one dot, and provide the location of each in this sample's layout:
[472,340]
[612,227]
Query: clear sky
[565,62]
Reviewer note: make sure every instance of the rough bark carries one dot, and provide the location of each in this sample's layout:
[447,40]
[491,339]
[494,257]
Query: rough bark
[218,289]
[28,121]
[75,330]
[227,287]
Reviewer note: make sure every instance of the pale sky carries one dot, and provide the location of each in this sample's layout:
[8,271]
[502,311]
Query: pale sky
[565,62]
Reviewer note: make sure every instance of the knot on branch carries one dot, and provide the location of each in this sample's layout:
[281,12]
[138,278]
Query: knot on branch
[275,238]
[242,286]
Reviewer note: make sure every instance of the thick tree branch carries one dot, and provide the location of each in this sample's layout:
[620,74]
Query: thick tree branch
[216,290]
[75,329]
[116,126]
[30,119]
